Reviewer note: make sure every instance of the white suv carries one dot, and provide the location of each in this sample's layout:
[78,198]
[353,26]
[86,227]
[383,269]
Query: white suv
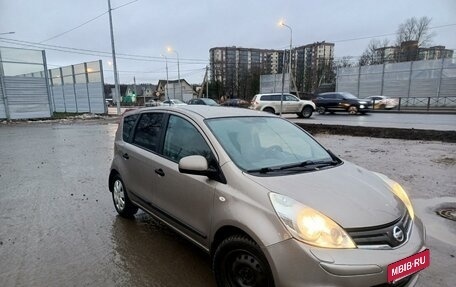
[291,104]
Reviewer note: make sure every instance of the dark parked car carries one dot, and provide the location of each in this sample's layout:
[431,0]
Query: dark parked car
[203,101]
[339,101]
[236,103]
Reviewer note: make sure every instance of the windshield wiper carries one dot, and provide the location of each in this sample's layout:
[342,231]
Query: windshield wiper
[307,165]
[310,163]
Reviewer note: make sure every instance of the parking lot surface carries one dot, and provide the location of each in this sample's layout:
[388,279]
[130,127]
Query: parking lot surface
[59,227]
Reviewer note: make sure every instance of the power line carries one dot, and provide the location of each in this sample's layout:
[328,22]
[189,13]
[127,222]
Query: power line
[98,53]
[72,29]
[87,22]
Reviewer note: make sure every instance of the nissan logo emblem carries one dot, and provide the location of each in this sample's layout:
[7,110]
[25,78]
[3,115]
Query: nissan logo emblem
[398,234]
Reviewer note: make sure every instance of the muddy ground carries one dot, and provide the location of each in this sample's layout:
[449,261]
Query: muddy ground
[58,226]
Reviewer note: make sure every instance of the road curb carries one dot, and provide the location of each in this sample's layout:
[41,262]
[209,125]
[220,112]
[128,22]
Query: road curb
[379,132]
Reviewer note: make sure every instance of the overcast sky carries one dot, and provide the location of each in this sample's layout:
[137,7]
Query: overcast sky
[147,27]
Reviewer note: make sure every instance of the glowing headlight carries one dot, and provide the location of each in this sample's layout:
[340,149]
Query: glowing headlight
[309,225]
[397,189]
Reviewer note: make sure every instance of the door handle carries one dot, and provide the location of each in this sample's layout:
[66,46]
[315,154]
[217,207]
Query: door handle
[160,172]
[125,156]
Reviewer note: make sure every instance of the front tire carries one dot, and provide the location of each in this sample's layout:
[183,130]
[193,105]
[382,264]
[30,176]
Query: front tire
[239,262]
[122,203]
[352,110]
[306,112]
[321,110]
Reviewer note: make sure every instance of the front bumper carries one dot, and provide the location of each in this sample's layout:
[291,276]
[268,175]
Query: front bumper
[294,263]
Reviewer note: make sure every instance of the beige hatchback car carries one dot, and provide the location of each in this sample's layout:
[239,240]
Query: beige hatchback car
[270,205]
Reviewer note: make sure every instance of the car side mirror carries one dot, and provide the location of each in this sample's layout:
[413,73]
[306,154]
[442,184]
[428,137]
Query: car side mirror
[197,165]
[193,164]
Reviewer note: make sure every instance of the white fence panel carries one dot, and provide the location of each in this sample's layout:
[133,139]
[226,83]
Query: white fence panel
[27,97]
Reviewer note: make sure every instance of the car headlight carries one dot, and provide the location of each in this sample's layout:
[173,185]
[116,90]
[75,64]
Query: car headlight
[397,189]
[308,225]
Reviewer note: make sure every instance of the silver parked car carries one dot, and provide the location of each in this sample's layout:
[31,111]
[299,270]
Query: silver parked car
[270,205]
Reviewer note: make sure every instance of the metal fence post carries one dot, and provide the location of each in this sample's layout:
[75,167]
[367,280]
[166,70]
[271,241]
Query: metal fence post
[383,80]
[63,90]
[2,83]
[440,78]
[410,79]
[50,99]
[359,79]
[87,85]
[74,88]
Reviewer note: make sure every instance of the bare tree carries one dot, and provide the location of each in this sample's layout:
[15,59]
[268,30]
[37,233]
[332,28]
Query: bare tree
[370,55]
[414,29]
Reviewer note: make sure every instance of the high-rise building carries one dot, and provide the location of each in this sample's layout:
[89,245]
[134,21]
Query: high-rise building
[312,64]
[410,51]
[237,70]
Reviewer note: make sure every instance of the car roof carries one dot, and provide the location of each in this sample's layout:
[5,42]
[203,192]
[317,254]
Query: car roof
[205,112]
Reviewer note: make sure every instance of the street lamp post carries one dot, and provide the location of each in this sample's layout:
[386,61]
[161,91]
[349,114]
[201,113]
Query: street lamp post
[114,62]
[167,79]
[282,23]
[169,49]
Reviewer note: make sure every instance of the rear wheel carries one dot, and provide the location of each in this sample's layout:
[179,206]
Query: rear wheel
[122,203]
[352,110]
[239,262]
[321,110]
[269,110]
[306,112]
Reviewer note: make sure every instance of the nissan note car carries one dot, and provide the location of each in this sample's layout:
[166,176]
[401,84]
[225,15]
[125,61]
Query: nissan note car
[267,202]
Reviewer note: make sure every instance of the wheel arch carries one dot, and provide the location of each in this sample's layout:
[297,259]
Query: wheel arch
[112,175]
[224,232]
[265,108]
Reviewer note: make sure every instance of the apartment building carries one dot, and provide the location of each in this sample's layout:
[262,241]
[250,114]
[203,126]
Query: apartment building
[237,69]
[410,51]
[312,64]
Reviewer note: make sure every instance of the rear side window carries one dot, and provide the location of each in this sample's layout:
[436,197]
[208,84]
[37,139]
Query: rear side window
[266,98]
[128,125]
[147,133]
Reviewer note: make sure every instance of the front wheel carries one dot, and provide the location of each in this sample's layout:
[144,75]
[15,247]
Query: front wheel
[122,203]
[306,112]
[239,262]
[352,110]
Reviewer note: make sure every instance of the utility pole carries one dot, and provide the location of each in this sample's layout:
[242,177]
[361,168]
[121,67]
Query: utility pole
[114,63]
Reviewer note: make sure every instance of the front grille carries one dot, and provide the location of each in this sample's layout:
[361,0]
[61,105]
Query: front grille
[383,235]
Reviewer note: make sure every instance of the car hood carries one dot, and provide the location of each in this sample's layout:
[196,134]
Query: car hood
[350,195]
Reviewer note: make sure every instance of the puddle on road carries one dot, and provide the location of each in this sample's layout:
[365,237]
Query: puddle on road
[438,227]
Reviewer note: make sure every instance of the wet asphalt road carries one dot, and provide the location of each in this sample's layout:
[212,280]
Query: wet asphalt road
[58,226]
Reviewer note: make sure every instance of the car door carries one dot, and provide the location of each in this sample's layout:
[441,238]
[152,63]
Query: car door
[140,155]
[292,104]
[185,200]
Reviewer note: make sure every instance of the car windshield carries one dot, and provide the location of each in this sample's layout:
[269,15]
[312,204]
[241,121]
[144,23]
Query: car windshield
[262,144]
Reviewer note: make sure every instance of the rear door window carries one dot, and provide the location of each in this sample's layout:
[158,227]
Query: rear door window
[128,125]
[148,130]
